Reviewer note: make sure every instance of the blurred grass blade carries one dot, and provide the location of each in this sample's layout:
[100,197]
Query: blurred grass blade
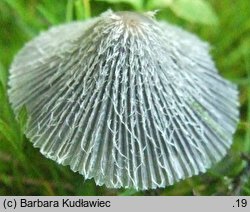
[8,133]
[79,9]
[47,14]
[87,9]
[199,11]
[137,4]
[23,118]
[25,20]
[69,10]
[247,64]
[82,9]
[241,81]
[3,75]
[156,4]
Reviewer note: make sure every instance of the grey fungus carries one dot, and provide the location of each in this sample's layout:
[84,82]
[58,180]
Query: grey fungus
[125,99]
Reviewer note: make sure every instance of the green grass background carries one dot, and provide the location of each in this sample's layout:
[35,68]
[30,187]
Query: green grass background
[224,23]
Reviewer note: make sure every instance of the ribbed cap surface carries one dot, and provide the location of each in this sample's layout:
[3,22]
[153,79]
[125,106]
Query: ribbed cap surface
[124,99]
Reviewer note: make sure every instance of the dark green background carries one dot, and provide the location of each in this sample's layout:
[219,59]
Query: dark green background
[223,23]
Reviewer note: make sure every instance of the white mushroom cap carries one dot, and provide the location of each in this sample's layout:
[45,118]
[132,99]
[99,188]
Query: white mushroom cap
[124,99]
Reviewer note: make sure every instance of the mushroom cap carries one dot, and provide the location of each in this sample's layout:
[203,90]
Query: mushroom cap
[124,99]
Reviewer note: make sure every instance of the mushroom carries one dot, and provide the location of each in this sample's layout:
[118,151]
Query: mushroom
[125,99]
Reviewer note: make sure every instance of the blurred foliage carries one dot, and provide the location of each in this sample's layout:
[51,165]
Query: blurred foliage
[225,24]
[198,11]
